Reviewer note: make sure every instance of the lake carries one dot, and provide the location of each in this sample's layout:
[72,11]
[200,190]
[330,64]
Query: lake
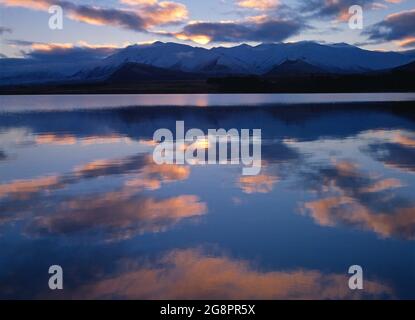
[79,189]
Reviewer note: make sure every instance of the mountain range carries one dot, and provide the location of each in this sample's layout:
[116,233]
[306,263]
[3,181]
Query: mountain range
[170,61]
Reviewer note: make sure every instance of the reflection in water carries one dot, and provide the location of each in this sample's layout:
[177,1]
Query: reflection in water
[80,188]
[260,183]
[351,197]
[118,214]
[22,189]
[192,274]
[84,101]
[71,139]
[121,212]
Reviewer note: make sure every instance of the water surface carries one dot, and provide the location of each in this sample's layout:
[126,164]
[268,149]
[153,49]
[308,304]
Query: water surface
[15,103]
[79,188]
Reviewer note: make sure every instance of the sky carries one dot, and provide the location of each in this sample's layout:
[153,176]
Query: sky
[101,26]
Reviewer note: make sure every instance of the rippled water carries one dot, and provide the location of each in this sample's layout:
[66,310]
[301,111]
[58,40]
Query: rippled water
[79,188]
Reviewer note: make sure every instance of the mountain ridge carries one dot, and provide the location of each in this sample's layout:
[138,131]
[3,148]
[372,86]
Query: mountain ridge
[244,59]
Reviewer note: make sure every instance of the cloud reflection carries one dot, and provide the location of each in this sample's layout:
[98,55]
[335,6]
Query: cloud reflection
[193,274]
[394,155]
[257,184]
[351,197]
[69,139]
[119,214]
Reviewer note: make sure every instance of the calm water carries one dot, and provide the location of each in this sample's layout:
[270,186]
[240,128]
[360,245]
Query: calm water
[78,188]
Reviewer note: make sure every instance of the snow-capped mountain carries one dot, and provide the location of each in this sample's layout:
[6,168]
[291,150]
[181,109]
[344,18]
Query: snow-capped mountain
[256,59]
[242,59]
[333,57]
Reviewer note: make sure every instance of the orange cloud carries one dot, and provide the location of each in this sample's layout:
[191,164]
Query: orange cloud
[24,188]
[54,139]
[152,176]
[344,210]
[165,12]
[148,14]
[51,46]
[346,168]
[148,174]
[139,2]
[258,4]
[364,201]
[344,15]
[410,41]
[382,185]
[30,4]
[191,274]
[67,139]
[404,139]
[257,184]
[100,164]
[198,38]
[119,214]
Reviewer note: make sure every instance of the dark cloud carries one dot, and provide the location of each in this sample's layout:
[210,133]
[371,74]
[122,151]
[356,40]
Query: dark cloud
[17,42]
[139,19]
[62,52]
[324,8]
[263,29]
[399,26]
[126,19]
[4,30]
[71,54]
[394,155]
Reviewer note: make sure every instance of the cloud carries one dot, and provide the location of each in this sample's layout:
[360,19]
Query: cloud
[62,52]
[399,27]
[4,30]
[259,28]
[149,14]
[139,2]
[194,274]
[258,4]
[68,139]
[22,189]
[333,8]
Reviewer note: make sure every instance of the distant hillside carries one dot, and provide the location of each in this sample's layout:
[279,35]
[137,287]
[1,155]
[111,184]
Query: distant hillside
[136,72]
[407,69]
[292,68]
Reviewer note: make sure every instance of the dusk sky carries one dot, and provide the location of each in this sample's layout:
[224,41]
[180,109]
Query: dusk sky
[388,24]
